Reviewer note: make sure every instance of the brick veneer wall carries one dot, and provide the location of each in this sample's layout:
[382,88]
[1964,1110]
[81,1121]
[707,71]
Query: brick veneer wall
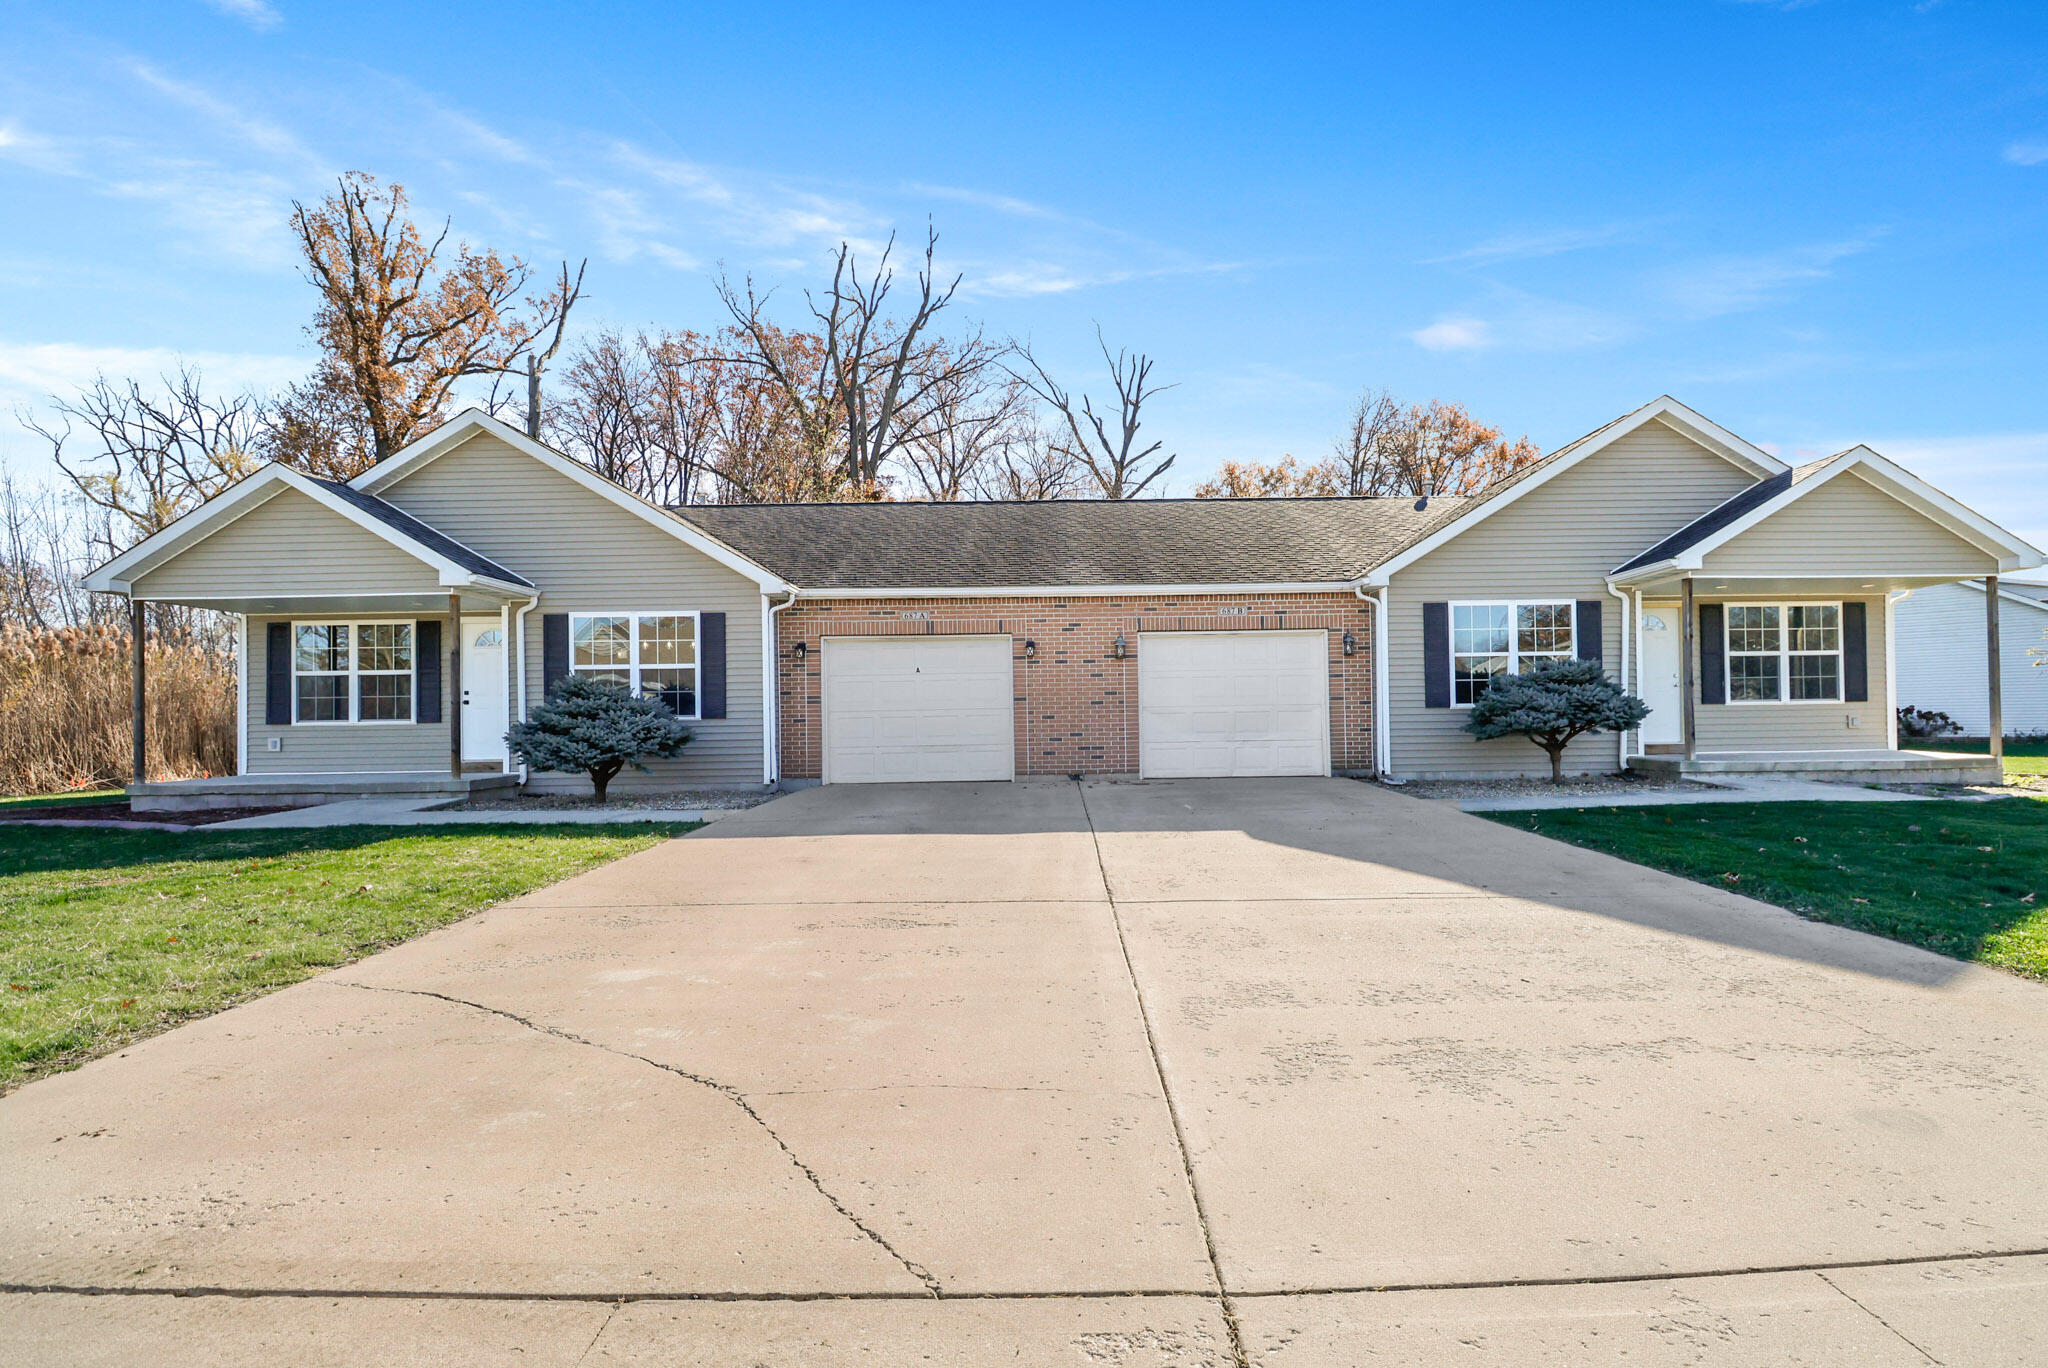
[1076,705]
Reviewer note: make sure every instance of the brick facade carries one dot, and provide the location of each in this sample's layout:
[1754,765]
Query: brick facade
[1076,704]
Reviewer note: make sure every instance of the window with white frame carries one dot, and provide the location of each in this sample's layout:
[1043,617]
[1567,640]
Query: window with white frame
[352,671]
[1493,639]
[653,655]
[1784,652]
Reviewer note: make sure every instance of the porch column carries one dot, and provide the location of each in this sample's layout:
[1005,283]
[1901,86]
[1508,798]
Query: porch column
[1996,691]
[138,718]
[455,685]
[1688,628]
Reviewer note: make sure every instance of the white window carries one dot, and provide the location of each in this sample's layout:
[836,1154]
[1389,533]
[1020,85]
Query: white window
[352,671]
[653,655]
[1492,639]
[1784,652]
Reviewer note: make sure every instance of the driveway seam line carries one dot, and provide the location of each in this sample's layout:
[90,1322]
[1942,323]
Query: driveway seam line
[725,1090]
[1874,1316]
[1180,1140]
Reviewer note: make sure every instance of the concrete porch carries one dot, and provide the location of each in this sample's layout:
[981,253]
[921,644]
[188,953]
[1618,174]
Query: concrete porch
[308,790]
[1873,766]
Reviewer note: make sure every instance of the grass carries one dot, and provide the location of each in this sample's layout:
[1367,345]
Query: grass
[73,798]
[1963,879]
[107,936]
[2021,757]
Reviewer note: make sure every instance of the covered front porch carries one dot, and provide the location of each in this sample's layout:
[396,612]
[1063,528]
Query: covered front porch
[307,790]
[1847,766]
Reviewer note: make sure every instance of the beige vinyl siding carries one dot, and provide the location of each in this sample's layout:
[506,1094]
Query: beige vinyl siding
[1801,726]
[589,555]
[1848,527]
[290,544]
[338,747]
[1557,542]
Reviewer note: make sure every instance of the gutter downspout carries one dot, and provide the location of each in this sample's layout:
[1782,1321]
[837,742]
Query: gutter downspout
[519,630]
[771,704]
[1382,723]
[1622,738]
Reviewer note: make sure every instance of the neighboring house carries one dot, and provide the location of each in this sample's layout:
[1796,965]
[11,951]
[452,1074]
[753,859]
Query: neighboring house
[394,625]
[1943,665]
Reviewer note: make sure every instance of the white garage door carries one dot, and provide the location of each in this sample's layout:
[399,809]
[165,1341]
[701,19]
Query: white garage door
[1215,704]
[917,708]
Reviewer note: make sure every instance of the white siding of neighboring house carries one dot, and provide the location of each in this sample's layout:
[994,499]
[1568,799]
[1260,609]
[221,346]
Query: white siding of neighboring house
[589,555]
[1557,542]
[1944,665]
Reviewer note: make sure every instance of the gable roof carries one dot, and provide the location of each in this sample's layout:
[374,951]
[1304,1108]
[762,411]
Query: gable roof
[1688,547]
[1753,460]
[470,422]
[1075,544]
[457,564]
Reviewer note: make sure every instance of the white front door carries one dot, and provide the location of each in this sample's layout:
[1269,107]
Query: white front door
[900,709]
[1660,687]
[1222,704]
[484,698]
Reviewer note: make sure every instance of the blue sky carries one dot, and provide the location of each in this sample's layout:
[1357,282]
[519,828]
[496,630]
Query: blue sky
[1819,223]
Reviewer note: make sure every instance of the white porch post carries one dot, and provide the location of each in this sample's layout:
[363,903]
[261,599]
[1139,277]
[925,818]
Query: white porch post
[1996,689]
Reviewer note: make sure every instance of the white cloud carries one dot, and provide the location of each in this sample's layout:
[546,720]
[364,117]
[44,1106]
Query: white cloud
[1715,286]
[37,369]
[1454,334]
[1525,246]
[255,13]
[258,132]
[2027,153]
[982,199]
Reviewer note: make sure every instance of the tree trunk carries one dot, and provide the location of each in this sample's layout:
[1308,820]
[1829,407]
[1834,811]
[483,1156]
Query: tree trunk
[1557,765]
[601,780]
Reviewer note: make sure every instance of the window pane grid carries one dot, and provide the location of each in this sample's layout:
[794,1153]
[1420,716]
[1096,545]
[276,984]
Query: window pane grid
[352,671]
[1784,652]
[1489,640]
[652,655]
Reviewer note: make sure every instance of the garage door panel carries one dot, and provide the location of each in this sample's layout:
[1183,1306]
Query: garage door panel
[911,709]
[1233,703]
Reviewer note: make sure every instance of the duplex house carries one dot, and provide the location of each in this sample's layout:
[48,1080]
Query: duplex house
[392,626]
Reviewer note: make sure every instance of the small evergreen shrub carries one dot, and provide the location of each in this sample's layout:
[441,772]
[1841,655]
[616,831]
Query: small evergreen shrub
[1553,702]
[595,726]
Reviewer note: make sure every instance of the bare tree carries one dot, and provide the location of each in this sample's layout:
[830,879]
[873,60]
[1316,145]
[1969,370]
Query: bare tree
[1107,446]
[1362,453]
[48,546]
[869,389]
[1031,466]
[150,457]
[398,326]
[1438,448]
[603,417]
[964,427]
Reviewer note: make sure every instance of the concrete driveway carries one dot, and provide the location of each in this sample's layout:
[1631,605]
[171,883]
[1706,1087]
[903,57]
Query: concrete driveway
[1274,1072]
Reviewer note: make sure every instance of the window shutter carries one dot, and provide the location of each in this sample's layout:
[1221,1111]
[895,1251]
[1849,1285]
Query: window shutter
[1855,653]
[554,650]
[1713,655]
[1586,633]
[711,664]
[277,674]
[426,670]
[1436,655]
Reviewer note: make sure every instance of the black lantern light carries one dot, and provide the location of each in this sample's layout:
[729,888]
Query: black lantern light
[1350,644]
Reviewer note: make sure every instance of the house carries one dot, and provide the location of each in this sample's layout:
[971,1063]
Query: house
[392,626]
[1943,667]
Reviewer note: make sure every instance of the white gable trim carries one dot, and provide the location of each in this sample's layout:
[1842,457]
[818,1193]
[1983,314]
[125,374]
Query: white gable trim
[1888,478]
[118,574]
[1751,460]
[469,422]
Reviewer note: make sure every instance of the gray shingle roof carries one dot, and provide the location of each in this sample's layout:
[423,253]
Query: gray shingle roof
[405,523]
[1725,514]
[890,546]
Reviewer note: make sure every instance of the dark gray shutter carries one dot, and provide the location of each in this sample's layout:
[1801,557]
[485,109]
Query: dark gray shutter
[711,664]
[1855,653]
[1436,655]
[554,650]
[426,670]
[1588,636]
[1713,655]
[277,674]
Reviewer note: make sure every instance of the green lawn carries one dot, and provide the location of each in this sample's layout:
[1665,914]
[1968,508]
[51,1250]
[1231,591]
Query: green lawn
[2021,757]
[107,936]
[1965,879]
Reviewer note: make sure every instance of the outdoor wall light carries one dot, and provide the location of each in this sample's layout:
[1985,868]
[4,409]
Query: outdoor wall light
[1031,650]
[1119,650]
[800,650]
[1350,644]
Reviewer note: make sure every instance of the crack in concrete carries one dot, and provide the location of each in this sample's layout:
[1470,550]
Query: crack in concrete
[1187,1163]
[1874,1316]
[725,1090]
[603,1326]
